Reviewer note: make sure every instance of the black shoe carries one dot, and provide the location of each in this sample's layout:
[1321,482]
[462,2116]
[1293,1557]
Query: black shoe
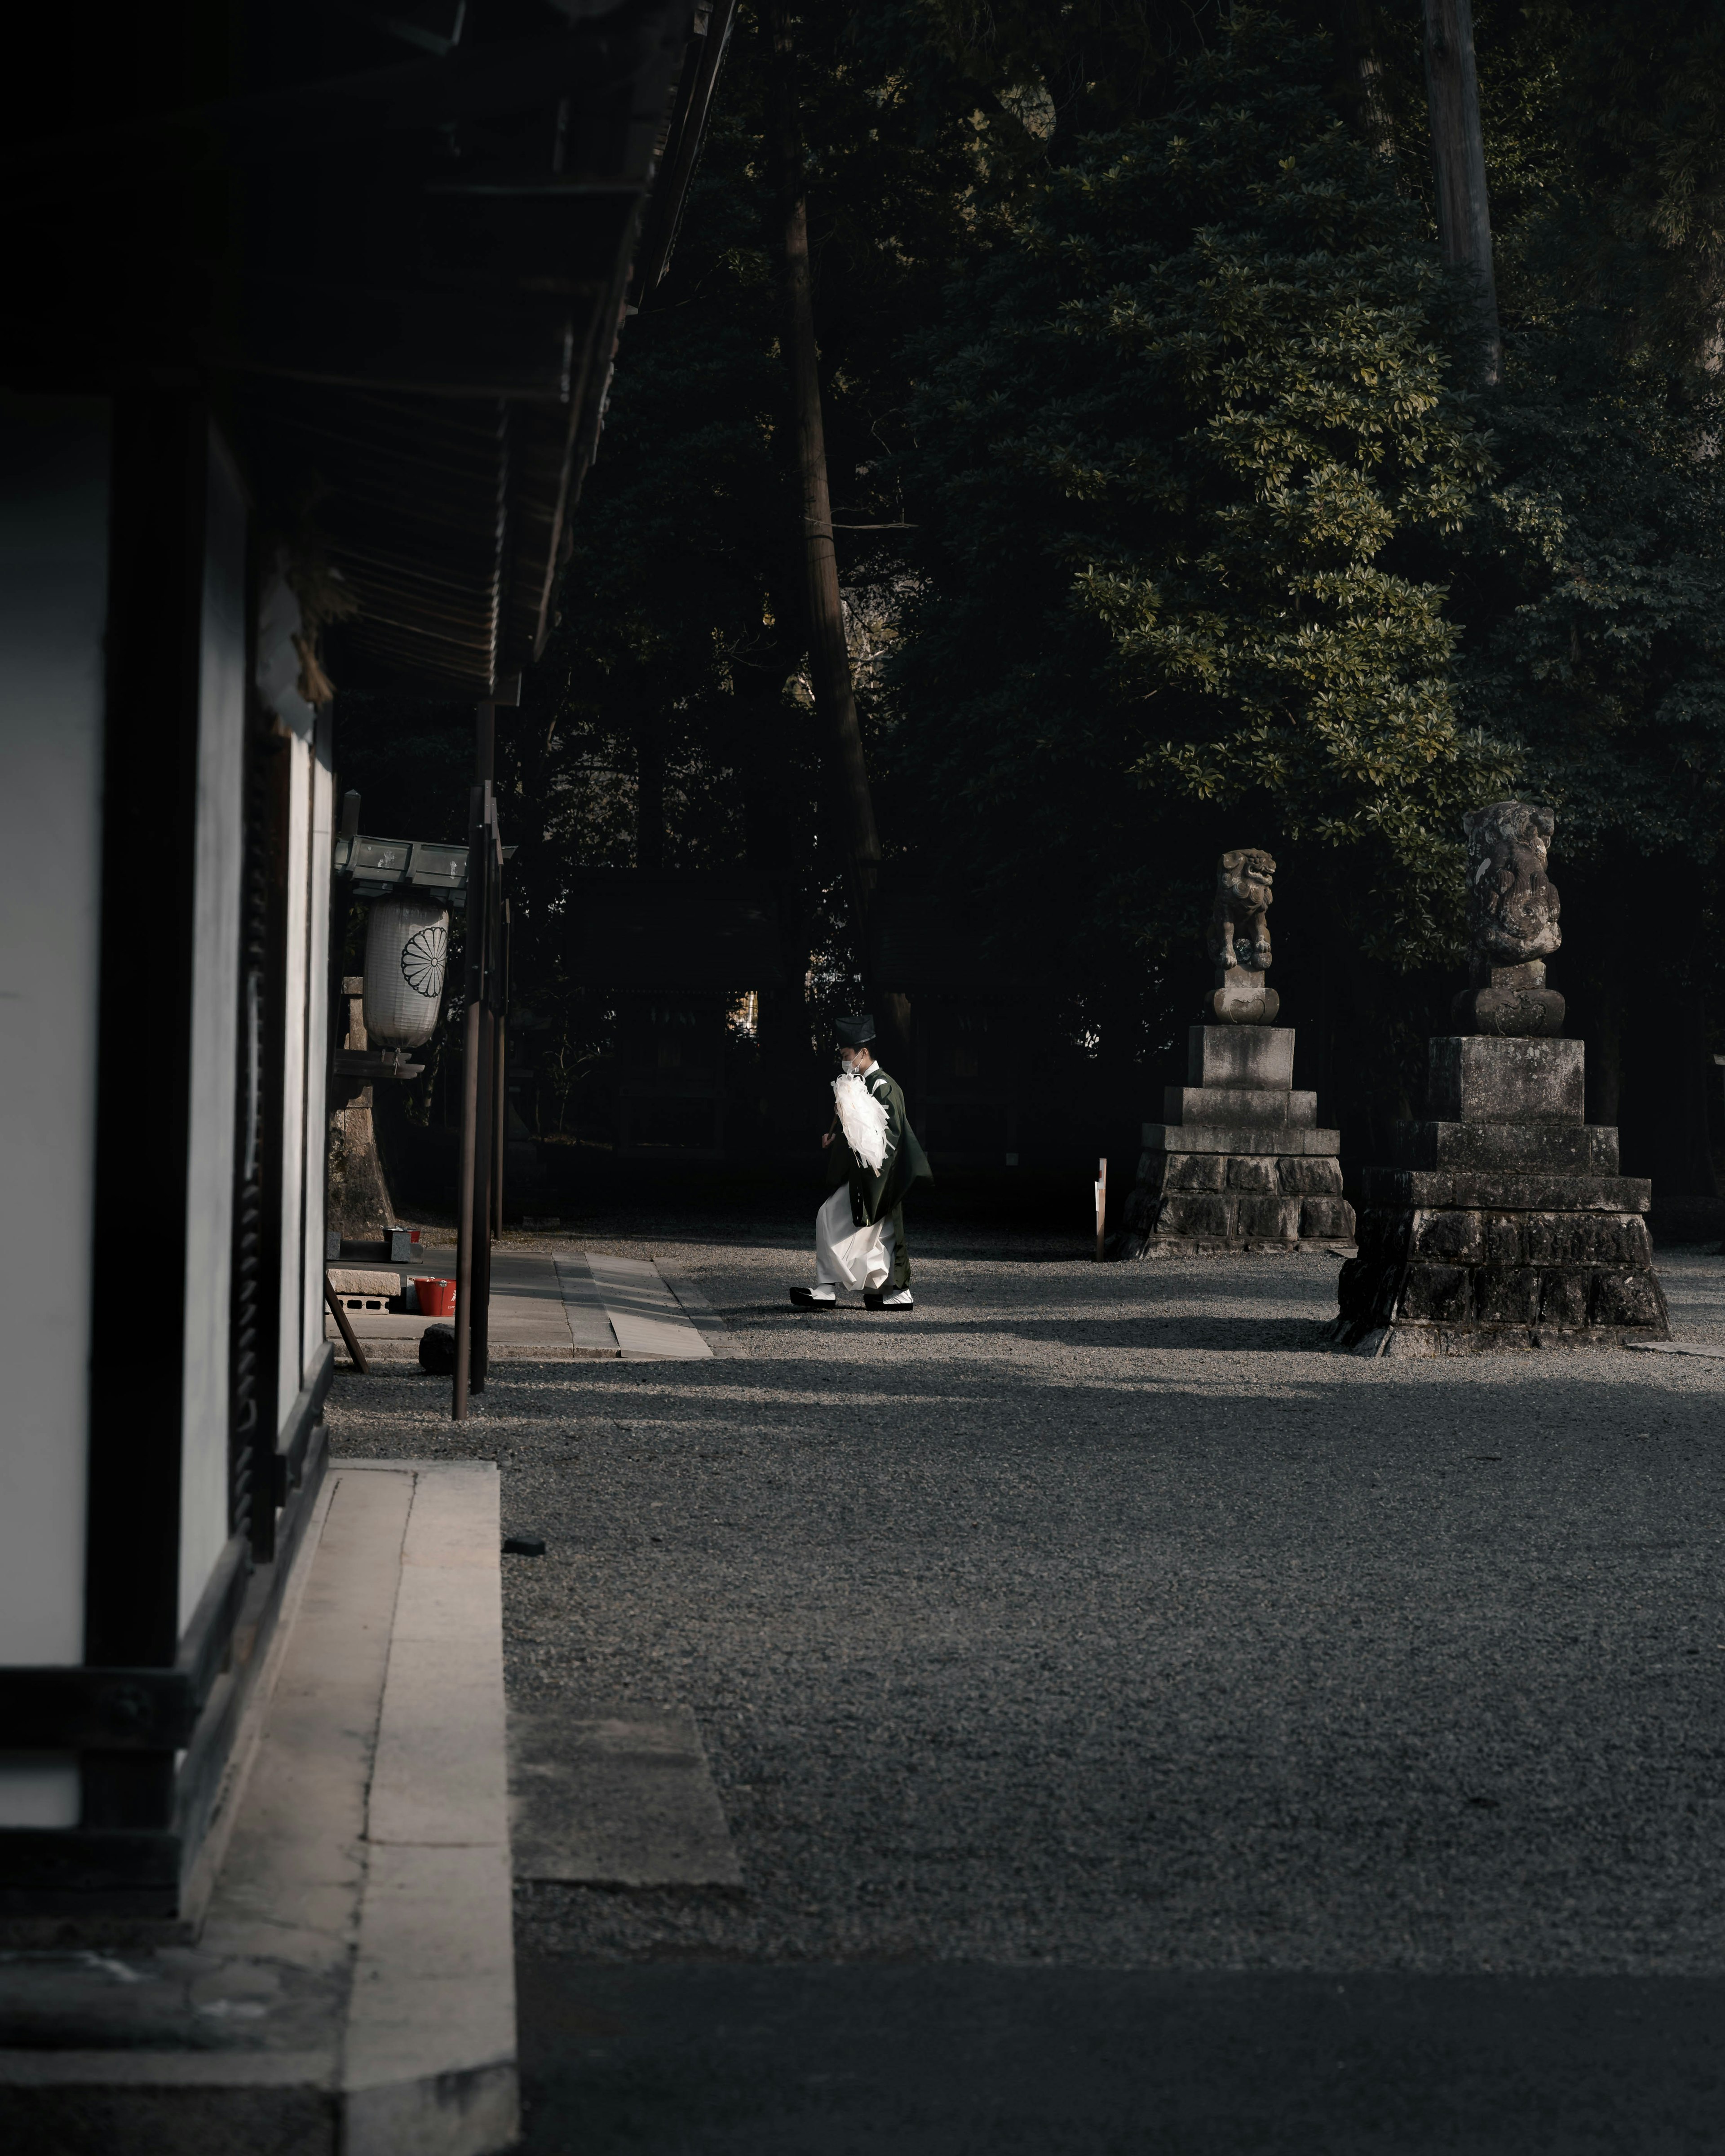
[876,1298]
[805,1298]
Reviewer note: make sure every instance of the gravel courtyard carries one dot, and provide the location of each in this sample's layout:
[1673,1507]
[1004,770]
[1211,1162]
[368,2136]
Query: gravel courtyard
[1091,1617]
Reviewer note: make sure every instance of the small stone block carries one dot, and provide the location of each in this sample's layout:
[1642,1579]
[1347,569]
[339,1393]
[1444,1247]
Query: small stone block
[1326,1218]
[1506,1190]
[1437,1292]
[1238,1103]
[1445,1238]
[1476,1079]
[1317,1176]
[1540,1148]
[1588,1238]
[1189,1171]
[1628,1298]
[1276,1220]
[1502,1242]
[1239,1137]
[1195,1215]
[1562,1297]
[1255,1172]
[360,1280]
[1506,1294]
[1259,1055]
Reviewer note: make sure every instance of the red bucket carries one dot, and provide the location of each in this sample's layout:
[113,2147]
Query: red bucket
[437,1297]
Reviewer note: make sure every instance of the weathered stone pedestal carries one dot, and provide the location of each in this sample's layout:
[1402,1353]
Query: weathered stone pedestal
[1239,1164]
[1503,1222]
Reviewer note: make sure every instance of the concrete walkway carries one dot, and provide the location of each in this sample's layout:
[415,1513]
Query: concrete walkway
[1134,1727]
[558,1306]
[352,1992]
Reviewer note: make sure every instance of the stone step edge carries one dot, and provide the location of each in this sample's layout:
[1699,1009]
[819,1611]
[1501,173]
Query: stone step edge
[1501,1190]
[1298,1104]
[1235,1246]
[1287,1140]
[1427,1337]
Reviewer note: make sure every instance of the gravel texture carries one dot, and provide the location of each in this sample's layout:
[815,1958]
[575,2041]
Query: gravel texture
[1092,1615]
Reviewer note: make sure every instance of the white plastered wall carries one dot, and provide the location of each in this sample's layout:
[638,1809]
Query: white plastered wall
[53,572]
[310,799]
[292,1277]
[204,1491]
[317,1043]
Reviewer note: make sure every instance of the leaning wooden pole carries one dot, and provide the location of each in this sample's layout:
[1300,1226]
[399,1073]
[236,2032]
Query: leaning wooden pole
[829,656]
[1458,157]
[344,1325]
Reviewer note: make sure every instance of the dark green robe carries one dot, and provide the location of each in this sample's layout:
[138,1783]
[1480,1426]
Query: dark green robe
[873,1198]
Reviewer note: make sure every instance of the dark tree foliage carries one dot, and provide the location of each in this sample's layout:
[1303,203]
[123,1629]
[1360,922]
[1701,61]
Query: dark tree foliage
[1166,523]
[1187,449]
[1588,590]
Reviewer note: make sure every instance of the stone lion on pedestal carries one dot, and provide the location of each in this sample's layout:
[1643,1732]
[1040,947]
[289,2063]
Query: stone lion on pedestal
[1512,908]
[1239,938]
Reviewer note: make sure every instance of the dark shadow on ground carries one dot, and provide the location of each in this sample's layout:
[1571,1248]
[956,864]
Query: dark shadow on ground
[1240,1336]
[954,2060]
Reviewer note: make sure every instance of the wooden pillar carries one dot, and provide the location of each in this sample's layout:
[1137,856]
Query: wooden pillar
[481,1090]
[469,1222]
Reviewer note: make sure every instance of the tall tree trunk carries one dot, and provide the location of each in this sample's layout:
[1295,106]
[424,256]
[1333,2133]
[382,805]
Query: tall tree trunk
[1359,36]
[1458,155]
[829,659]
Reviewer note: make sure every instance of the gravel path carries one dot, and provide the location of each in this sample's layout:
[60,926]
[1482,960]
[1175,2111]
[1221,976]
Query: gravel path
[1089,1615]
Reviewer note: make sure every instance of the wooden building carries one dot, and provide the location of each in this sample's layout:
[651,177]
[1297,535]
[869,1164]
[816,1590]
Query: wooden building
[314,311]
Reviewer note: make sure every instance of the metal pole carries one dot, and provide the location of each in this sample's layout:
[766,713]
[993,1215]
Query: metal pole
[500,1124]
[499,1091]
[1101,1210]
[485,891]
[485,1124]
[477,879]
[463,1232]
[481,1201]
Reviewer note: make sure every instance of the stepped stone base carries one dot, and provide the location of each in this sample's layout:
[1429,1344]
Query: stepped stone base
[1514,1231]
[1251,1173]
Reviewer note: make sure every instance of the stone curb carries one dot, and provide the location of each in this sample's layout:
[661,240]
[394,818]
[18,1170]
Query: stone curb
[354,1986]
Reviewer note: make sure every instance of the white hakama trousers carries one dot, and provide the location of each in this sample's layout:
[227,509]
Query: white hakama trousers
[845,1256]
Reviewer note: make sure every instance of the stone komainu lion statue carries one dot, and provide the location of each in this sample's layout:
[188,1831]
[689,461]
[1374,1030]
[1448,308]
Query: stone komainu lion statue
[1239,939]
[1511,903]
[1240,925]
[1511,923]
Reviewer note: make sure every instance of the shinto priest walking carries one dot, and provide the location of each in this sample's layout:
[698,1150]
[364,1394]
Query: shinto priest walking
[873,1154]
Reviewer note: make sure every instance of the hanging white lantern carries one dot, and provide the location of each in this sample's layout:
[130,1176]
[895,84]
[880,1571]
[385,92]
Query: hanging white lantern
[407,953]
